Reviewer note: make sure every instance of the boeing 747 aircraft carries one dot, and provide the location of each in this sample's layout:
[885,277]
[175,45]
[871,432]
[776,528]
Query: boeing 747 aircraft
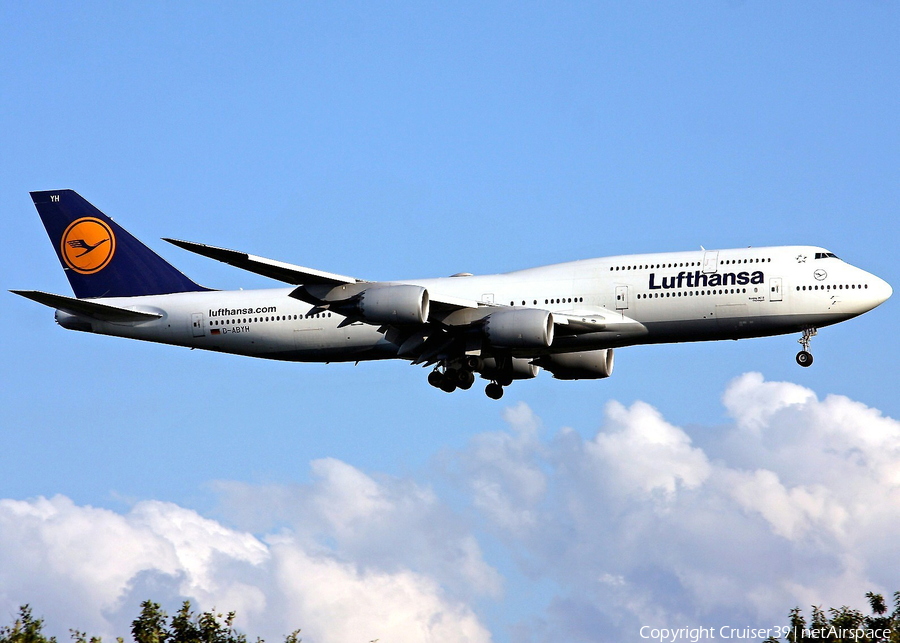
[566,318]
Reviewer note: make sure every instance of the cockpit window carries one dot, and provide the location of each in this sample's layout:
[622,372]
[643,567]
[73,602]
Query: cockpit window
[826,255]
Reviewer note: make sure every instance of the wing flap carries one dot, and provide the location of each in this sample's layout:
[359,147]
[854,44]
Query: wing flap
[301,276]
[87,308]
[278,270]
[593,322]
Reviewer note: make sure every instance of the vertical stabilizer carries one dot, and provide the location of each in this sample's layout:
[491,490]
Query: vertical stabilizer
[100,258]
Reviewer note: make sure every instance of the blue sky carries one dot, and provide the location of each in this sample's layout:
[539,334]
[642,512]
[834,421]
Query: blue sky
[410,140]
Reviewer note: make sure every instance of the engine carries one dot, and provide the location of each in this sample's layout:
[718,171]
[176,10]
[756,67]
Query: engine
[519,328]
[401,304]
[587,365]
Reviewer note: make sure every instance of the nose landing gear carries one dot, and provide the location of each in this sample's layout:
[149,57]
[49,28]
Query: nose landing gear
[804,357]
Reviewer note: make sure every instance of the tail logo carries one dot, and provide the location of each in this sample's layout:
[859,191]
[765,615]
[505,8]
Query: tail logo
[88,245]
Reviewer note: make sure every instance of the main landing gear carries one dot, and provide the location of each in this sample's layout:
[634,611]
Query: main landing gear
[493,391]
[461,375]
[451,379]
[804,357]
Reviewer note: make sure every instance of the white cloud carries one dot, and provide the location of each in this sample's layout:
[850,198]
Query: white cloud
[79,559]
[643,453]
[347,496]
[81,567]
[793,504]
[201,546]
[502,471]
[383,523]
[796,503]
[343,604]
[752,402]
[791,513]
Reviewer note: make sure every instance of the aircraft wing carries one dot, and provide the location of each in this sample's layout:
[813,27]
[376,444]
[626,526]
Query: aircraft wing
[286,272]
[298,275]
[87,308]
[328,289]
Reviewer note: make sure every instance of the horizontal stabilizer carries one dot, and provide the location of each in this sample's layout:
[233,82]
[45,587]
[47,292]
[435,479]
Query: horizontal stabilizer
[286,272]
[85,308]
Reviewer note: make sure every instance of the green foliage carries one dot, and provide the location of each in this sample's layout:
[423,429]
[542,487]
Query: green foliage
[25,629]
[204,628]
[846,625]
[80,637]
[149,627]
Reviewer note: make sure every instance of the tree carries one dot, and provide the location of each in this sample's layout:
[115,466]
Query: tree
[149,627]
[204,628]
[25,629]
[846,625]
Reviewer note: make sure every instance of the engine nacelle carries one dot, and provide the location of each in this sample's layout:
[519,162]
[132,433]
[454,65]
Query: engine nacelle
[586,365]
[401,304]
[519,328]
[506,369]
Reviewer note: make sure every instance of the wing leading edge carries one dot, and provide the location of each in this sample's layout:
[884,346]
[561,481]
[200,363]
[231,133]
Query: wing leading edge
[278,270]
[316,284]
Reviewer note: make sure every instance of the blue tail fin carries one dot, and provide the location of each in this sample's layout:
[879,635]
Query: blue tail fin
[102,259]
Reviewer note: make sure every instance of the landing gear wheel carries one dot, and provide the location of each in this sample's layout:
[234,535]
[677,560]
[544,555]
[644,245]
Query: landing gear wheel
[435,379]
[465,379]
[804,358]
[493,391]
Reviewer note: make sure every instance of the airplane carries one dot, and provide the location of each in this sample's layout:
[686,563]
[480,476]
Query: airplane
[566,318]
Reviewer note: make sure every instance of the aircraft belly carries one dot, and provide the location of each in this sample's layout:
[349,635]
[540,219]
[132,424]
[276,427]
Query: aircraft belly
[351,342]
[734,327]
[737,319]
[324,344]
[168,330]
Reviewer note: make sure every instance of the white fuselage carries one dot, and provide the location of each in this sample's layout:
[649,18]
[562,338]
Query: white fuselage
[677,297]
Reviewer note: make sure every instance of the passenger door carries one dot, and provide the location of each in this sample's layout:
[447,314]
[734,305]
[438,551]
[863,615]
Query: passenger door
[197,326]
[775,288]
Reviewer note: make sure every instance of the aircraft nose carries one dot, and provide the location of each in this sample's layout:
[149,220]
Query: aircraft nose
[881,291]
